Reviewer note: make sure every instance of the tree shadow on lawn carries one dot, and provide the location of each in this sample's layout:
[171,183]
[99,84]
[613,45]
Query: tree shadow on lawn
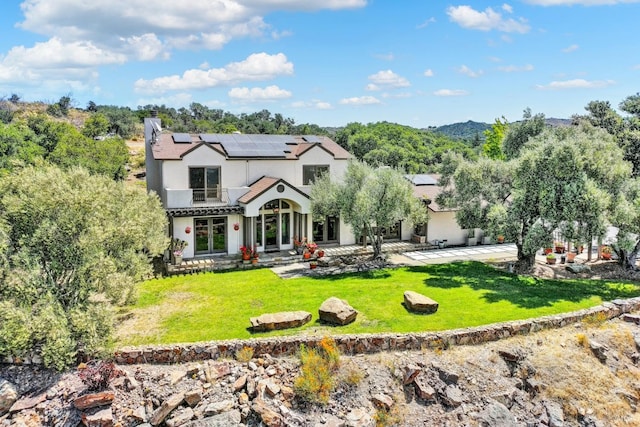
[522,291]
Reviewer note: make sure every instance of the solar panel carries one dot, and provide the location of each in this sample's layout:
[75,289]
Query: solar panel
[311,138]
[181,138]
[422,179]
[247,146]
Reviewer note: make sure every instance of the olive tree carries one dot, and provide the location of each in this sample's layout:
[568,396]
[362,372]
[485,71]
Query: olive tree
[72,247]
[368,199]
[564,178]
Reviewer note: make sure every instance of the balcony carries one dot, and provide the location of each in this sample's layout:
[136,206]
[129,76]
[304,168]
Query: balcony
[175,198]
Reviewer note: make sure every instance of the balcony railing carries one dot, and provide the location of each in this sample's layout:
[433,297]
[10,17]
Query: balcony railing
[195,197]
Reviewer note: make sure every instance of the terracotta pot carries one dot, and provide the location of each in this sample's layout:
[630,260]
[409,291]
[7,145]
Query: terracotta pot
[547,251]
[559,249]
[606,256]
[312,266]
[500,239]
[571,256]
[551,260]
[306,255]
[246,256]
[254,261]
[320,253]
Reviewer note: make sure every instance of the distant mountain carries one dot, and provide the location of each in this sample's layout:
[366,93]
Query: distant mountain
[467,130]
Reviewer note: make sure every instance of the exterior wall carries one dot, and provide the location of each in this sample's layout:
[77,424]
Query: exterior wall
[233,237]
[443,226]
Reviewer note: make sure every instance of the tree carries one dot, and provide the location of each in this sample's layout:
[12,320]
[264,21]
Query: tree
[367,199]
[72,246]
[492,147]
[96,125]
[519,133]
[565,178]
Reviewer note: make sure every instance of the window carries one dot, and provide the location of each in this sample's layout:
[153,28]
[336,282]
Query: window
[205,183]
[311,172]
[326,231]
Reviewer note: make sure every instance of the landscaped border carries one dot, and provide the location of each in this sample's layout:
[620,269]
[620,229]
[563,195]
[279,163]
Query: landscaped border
[370,343]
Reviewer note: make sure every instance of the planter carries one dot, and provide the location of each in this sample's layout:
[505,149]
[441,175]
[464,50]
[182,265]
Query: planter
[500,239]
[559,249]
[254,260]
[320,253]
[486,240]
[571,256]
[313,266]
[551,261]
[472,241]
[177,259]
[416,238]
[246,257]
[605,257]
[547,251]
[306,255]
[299,250]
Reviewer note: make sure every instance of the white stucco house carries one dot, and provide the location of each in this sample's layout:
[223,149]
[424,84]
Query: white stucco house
[224,191]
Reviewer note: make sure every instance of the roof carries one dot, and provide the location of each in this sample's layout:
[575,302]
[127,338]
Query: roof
[262,185]
[425,186]
[174,146]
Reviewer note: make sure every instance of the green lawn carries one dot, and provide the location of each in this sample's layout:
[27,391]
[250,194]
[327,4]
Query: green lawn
[218,305]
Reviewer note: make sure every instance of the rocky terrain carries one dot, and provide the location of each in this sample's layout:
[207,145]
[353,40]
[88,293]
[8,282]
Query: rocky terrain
[582,375]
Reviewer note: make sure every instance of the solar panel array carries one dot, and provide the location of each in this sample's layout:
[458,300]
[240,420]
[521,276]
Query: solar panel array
[252,146]
[422,179]
[311,138]
[181,138]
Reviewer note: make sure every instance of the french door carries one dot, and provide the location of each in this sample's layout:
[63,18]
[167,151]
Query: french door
[210,235]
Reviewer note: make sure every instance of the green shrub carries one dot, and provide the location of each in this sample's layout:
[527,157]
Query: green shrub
[52,335]
[15,336]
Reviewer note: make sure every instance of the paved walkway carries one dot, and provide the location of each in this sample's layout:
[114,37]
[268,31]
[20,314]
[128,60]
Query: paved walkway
[465,253]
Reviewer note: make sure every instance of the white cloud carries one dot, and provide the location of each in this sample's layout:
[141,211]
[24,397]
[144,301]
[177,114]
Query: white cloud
[427,23]
[469,72]
[576,84]
[451,92]
[579,2]
[256,94]
[386,79]
[318,105]
[516,68]
[571,48]
[428,72]
[257,67]
[507,8]
[467,17]
[385,56]
[361,100]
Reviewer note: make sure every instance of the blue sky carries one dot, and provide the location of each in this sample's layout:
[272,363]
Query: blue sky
[415,62]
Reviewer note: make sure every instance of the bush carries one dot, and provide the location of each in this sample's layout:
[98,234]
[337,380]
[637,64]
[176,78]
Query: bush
[15,336]
[96,375]
[318,369]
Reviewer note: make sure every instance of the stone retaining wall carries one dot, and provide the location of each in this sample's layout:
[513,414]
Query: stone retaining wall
[370,343]
[364,343]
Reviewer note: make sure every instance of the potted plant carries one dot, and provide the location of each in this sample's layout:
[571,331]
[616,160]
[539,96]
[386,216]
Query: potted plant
[548,250]
[551,258]
[605,252]
[571,256]
[177,250]
[299,244]
[559,246]
[320,253]
[500,238]
[246,253]
[254,254]
[311,247]
[313,264]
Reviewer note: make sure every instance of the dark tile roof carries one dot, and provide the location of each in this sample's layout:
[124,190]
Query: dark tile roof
[245,146]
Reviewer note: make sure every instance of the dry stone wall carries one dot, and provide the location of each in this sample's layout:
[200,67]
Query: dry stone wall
[373,343]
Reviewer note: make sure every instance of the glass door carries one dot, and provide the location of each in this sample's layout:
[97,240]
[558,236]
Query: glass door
[211,235]
[271,231]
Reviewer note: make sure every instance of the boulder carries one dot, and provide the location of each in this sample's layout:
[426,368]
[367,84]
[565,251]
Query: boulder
[497,415]
[282,320]
[94,400]
[8,395]
[337,312]
[578,268]
[419,303]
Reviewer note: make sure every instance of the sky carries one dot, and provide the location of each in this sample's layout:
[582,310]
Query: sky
[330,62]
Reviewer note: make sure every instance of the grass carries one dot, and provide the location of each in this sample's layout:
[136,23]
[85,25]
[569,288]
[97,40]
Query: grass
[213,306]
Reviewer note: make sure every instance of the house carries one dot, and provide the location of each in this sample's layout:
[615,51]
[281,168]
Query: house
[223,191]
[442,225]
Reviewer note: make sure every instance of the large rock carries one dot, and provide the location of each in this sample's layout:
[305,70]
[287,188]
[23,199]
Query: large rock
[8,395]
[419,303]
[497,415]
[337,312]
[578,268]
[282,320]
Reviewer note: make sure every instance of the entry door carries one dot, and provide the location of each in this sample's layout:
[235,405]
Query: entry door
[271,231]
[211,235]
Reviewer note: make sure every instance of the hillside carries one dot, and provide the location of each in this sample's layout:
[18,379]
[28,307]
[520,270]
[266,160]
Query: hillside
[467,130]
